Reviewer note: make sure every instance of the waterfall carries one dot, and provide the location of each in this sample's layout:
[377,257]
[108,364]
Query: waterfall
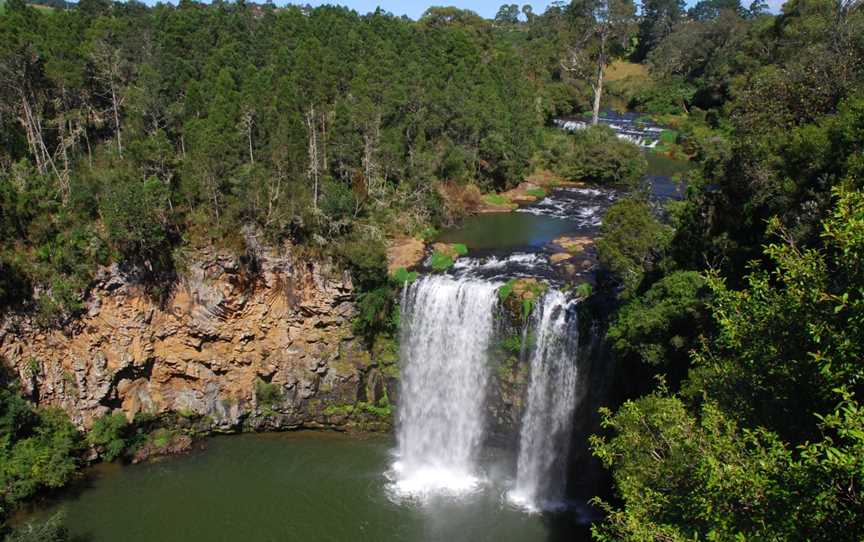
[544,439]
[447,325]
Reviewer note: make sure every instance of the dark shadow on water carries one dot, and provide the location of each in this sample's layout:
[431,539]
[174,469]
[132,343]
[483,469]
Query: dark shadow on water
[569,526]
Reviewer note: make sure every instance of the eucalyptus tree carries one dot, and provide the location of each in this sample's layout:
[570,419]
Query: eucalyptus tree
[599,32]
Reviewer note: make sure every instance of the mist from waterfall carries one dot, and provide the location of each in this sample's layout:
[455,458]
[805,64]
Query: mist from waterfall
[447,327]
[544,439]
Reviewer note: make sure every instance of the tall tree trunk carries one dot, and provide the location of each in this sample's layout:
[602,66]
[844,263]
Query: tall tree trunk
[33,125]
[116,117]
[371,138]
[64,179]
[248,121]
[89,150]
[312,128]
[598,86]
[598,92]
[29,127]
[324,141]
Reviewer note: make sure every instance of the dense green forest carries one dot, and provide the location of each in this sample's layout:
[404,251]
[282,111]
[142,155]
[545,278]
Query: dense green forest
[742,321]
[136,135]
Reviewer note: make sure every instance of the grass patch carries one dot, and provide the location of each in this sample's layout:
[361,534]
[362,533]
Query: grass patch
[621,69]
[162,437]
[460,249]
[402,275]
[505,291]
[440,261]
[496,199]
[584,290]
[669,136]
[536,192]
[428,233]
[382,409]
[340,410]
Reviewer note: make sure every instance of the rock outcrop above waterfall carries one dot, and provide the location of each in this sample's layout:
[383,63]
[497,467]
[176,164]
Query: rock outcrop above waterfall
[263,343]
[405,253]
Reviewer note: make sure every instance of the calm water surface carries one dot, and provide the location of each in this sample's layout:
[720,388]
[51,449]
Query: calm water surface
[506,231]
[292,487]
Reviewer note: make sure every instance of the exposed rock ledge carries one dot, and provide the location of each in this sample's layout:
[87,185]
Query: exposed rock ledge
[266,345]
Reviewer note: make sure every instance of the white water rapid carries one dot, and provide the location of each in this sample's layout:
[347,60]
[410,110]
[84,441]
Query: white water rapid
[447,325]
[544,439]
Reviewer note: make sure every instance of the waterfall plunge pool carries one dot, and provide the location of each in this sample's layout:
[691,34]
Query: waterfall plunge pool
[287,487]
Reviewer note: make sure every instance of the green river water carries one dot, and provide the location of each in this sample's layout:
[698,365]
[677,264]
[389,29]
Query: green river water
[305,486]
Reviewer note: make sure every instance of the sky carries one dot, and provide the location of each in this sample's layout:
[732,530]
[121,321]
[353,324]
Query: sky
[415,8]
[486,8]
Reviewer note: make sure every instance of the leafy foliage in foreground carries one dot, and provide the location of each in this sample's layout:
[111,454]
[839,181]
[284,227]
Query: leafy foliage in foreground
[766,439]
[758,434]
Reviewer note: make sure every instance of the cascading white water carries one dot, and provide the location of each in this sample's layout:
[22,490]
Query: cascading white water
[544,439]
[447,325]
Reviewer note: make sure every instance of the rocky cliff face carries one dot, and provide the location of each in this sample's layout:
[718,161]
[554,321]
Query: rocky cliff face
[262,344]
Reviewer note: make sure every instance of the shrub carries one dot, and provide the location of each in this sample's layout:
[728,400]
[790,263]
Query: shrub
[584,290]
[14,284]
[661,326]
[459,200]
[366,259]
[666,98]
[135,214]
[594,154]
[40,452]
[505,291]
[50,530]
[632,242]
[108,435]
[267,393]
[669,136]
[374,313]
